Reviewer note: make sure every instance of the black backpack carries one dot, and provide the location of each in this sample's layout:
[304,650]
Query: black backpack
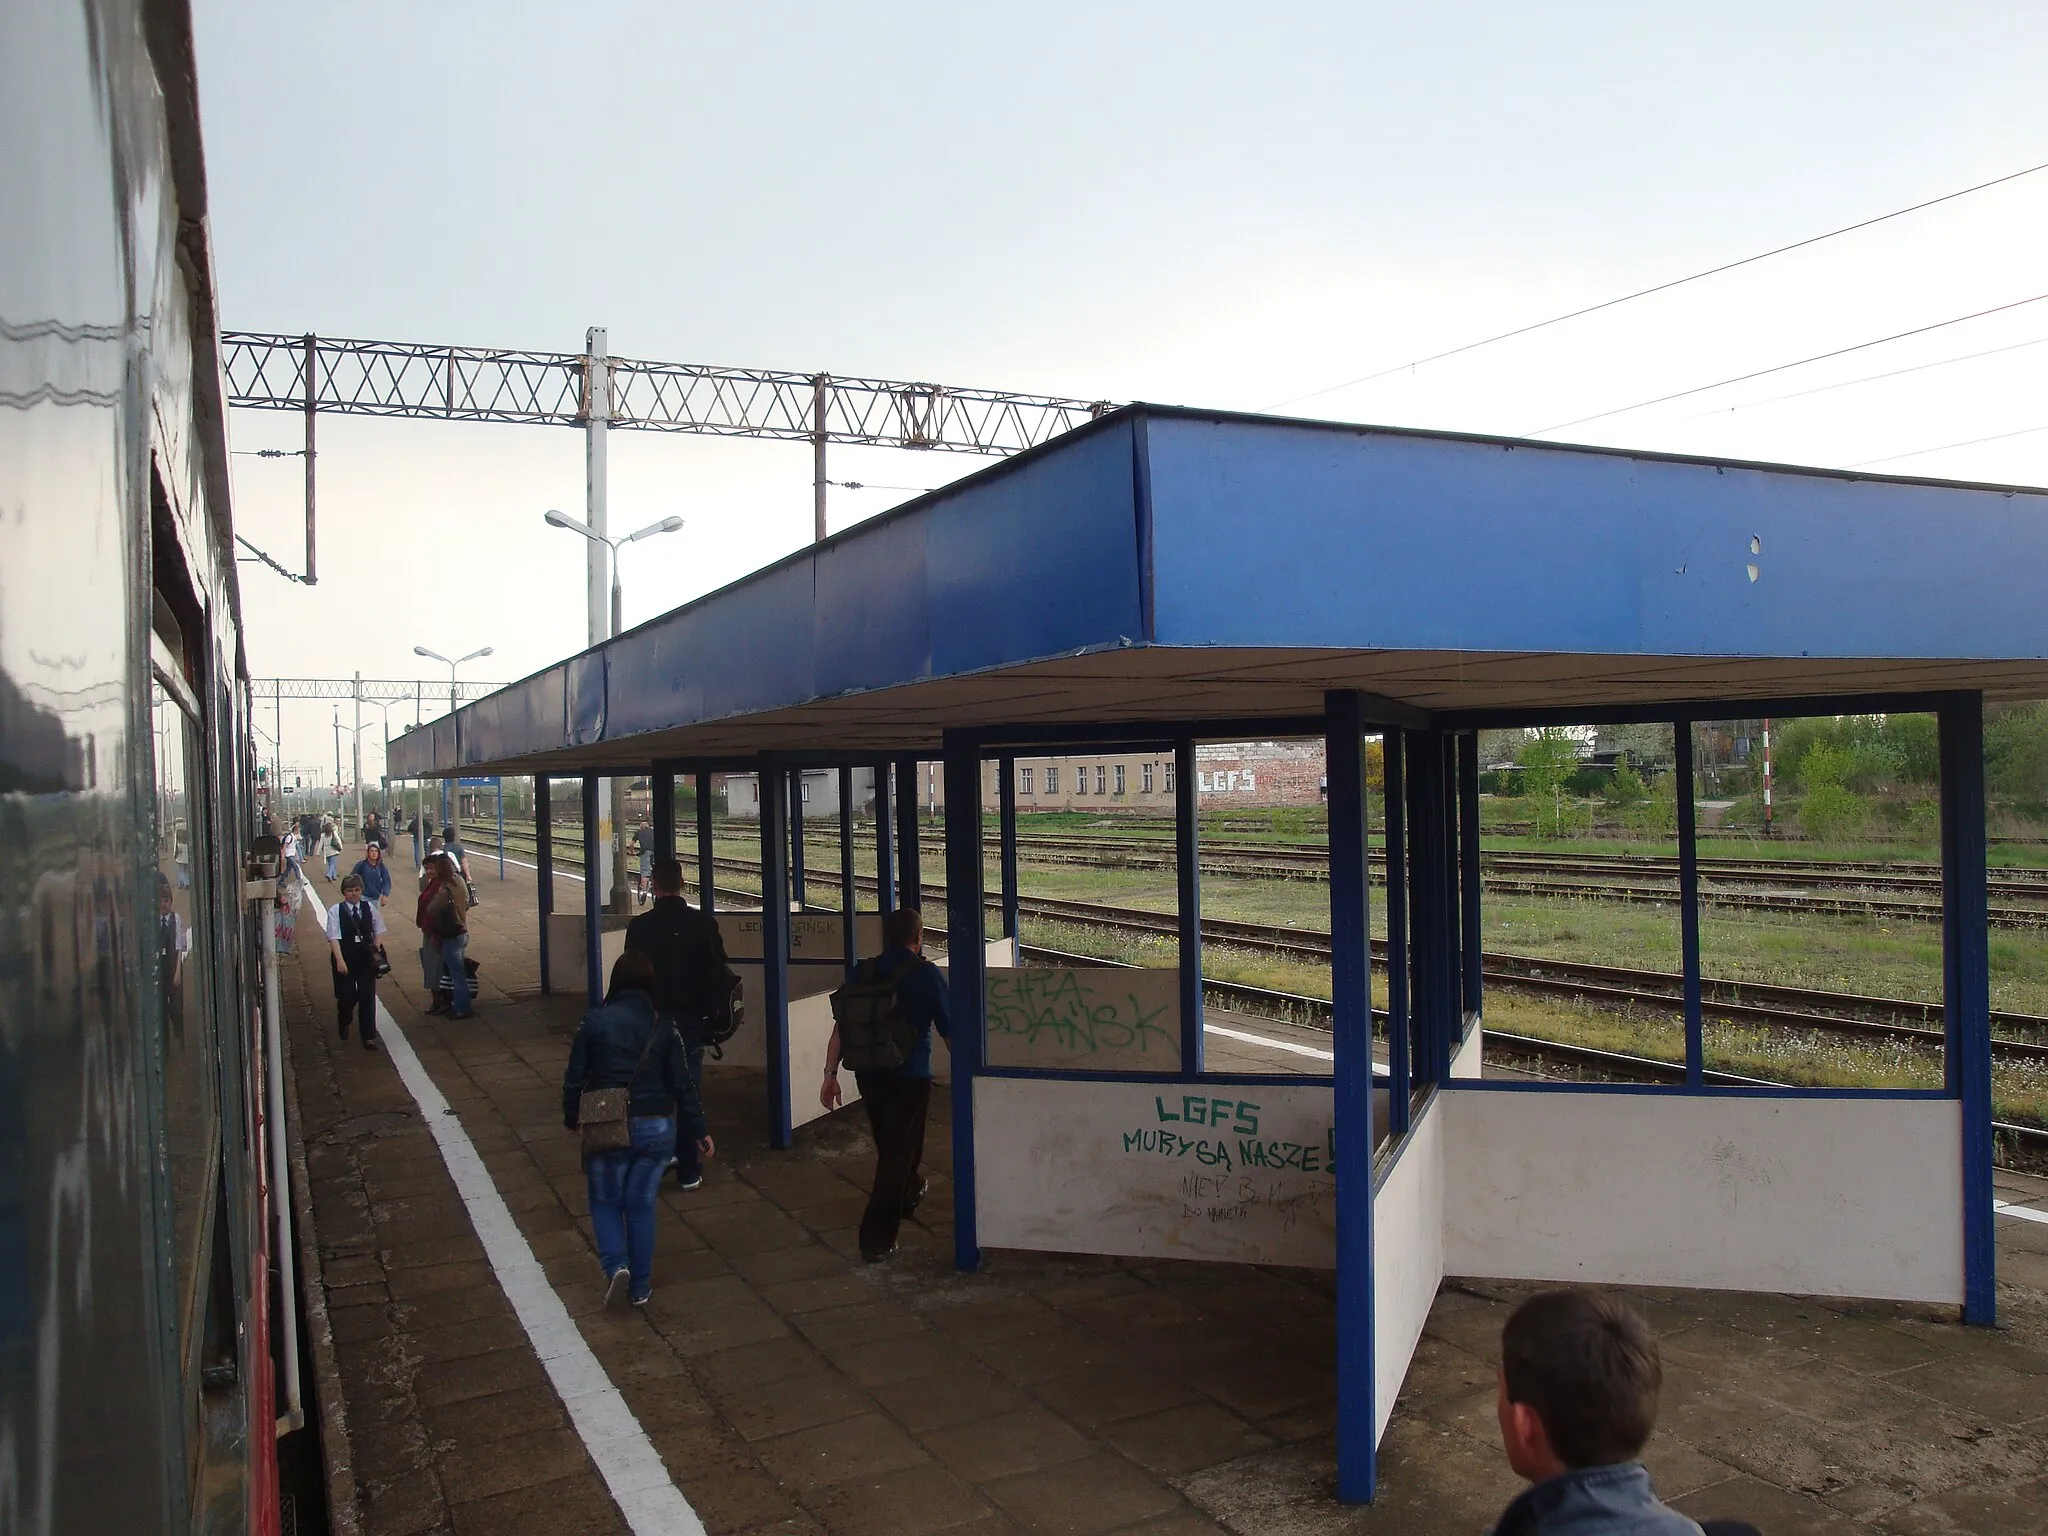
[689,980]
[874,1034]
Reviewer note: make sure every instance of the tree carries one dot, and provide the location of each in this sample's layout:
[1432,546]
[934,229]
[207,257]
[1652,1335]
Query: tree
[1548,758]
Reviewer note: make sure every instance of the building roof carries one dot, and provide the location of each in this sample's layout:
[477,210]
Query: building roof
[1163,565]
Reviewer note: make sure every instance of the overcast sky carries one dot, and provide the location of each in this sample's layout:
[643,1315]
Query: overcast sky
[1181,203]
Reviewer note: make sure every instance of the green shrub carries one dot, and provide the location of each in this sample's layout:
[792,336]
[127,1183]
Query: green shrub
[1832,814]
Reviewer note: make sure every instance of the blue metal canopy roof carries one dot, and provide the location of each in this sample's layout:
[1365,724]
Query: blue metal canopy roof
[1167,565]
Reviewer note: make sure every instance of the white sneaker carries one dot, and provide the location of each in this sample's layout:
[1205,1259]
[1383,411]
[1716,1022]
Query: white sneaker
[615,1288]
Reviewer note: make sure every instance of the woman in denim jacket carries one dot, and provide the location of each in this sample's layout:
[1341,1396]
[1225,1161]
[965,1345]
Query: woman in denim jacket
[623,1044]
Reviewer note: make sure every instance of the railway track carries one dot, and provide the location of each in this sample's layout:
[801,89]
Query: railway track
[2023,1038]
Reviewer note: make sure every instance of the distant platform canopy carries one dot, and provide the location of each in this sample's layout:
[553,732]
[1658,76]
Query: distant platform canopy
[1166,565]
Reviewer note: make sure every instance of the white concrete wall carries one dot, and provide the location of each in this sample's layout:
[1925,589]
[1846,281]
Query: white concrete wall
[812,935]
[1819,1195]
[1407,1256]
[1235,1173]
[1467,1060]
[1084,1019]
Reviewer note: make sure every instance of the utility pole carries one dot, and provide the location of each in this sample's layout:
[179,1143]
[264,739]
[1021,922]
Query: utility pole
[821,385]
[312,395]
[337,754]
[605,860]
[357,760]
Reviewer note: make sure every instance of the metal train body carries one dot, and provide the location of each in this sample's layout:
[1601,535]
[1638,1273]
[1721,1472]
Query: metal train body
[137,1385]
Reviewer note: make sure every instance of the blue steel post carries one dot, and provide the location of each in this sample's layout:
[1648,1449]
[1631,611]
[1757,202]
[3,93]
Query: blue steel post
[1187,864]
[1472,981]
[1453,908]
[1689,903]
[593,910]
[501,828]
[661,786]
[885,859]
[965,966]
[544,868]
[847,905]
[1351,1027]
[1966,1001]
[707,848]
[909,867]
[1006,833]
[799,886]
[1428,1001]
[1400,1073]
[775,948]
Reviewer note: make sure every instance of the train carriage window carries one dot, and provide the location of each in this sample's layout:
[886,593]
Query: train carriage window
[182,941]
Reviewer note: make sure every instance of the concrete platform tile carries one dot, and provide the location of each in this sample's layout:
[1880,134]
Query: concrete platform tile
[402,1506]
[1101,1396]
[1973,1512]
[429,1279]
[1027,1440]
[500,1370]
[1146,1310]
[761,1411]
[863,1446]
[755,1365]
[862,1321]
[912,1501]
[477,1469]
[495,1416]
[1259,1383]
[1177,1441]
[845,1288]
[570,1506]
[446,1308]
[1441,1372]
[691,1332]
[1179,1522]
[878,1362]
[1098,1494]
[961,1393]
[1048,1352]
[1772,1509]
[739,1229]
[1678,1467]
[465,1339]
[779,1264]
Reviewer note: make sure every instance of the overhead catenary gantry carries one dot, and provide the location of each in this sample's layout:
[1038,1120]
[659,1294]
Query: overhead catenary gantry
[593,390]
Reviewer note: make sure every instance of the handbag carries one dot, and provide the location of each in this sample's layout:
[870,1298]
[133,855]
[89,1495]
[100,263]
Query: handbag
[601,1113]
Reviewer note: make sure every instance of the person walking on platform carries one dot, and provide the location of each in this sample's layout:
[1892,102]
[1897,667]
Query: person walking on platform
[892,1062]
[432,874]
[328,847]
[374,835]
[628,1090]
[458,855]
[448,927]
[354,928]
[692,981]
[374,873]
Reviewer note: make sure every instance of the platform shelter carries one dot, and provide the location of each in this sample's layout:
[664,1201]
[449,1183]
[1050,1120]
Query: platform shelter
[1163,577]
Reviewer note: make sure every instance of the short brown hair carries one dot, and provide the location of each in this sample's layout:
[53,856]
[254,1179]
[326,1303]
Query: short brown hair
[668,876]
[633,971]
[1587,1363]
[902,928]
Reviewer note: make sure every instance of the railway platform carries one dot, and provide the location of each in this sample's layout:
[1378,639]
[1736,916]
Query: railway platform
[776,1383]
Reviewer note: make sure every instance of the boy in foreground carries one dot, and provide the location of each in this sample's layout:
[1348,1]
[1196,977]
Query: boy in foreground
[1579,1379]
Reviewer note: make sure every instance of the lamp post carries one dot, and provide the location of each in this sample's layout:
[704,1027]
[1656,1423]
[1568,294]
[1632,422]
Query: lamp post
[455,811]
[608,857]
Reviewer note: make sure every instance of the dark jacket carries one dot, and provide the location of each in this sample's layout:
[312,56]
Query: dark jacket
[376,879]
[690,970]
[1594,1501]
[923,997]
[608,1049]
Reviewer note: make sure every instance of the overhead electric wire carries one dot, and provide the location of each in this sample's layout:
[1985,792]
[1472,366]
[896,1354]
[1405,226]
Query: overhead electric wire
[1644,293]
[1761,373]
[1867,378]
[1996,437]
[260,555]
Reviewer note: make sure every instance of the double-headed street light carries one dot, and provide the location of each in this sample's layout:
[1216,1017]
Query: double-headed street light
[451,665]
[562,520]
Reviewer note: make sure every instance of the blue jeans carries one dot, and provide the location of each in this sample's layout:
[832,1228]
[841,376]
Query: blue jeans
[622,1184]
[333,864]
[452,951]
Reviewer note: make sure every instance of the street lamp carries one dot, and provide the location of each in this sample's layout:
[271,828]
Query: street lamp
[451,664]
[421,650]
[562,520]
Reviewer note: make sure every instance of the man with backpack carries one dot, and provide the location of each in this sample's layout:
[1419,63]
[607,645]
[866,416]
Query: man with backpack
[882,1023]
[692,983]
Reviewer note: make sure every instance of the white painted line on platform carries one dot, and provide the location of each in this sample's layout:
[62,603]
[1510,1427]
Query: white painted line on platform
[1271,1044]
[2023,1212]
[632,1468]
